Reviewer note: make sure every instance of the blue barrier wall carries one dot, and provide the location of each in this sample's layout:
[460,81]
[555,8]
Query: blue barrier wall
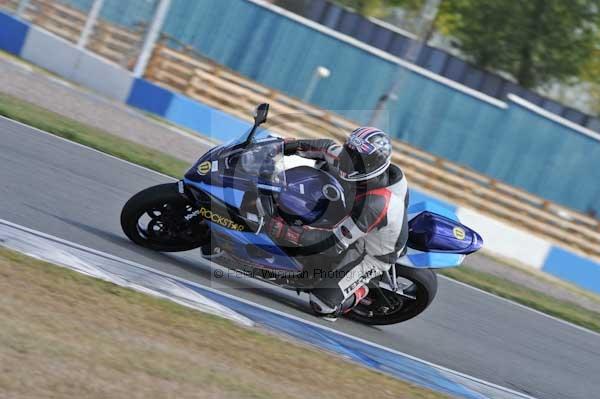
[516,146]
[185,112]
[199,117]
[12,34]
[573,268]
[150,97]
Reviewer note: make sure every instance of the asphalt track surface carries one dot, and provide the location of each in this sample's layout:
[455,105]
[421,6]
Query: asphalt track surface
[75,193]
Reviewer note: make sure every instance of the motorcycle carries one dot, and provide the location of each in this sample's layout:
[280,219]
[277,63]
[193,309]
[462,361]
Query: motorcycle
[225,199]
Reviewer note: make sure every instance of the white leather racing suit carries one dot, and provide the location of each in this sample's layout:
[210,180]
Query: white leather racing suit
[374,232]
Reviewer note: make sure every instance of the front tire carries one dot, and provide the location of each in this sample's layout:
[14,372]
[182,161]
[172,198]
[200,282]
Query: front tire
[421,292]
[162,219]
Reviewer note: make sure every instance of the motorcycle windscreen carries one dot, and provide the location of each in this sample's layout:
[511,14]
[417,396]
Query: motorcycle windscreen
[430,232]
[261,164]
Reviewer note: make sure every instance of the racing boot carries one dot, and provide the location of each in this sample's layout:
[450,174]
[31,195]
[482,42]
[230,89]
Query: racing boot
[331,314]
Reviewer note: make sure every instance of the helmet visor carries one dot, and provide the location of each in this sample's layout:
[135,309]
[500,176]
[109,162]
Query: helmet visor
[354,166]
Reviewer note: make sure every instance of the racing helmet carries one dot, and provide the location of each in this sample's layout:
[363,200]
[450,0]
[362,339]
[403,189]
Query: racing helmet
[367,153]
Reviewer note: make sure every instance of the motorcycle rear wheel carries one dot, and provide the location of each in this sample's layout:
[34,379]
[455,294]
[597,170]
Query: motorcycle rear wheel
[419,296]
[161,219]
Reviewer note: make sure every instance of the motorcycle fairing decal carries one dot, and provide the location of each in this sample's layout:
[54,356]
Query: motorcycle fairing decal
[214,217]
[230,196]
[355,278]
[280,260]
[424,260]
[203,168]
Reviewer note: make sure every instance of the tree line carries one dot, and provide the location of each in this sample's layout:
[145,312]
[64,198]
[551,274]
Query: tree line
[537,42]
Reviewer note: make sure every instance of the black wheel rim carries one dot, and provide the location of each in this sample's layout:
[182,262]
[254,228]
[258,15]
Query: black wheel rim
[169,223]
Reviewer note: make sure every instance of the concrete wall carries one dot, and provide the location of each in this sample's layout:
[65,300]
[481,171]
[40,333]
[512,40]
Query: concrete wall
[505,240]
[62,58]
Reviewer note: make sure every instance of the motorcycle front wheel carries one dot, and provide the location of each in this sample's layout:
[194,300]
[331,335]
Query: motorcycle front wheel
[383,307]
[161,219]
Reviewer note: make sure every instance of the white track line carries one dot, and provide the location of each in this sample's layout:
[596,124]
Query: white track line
[508,301]
[262,307]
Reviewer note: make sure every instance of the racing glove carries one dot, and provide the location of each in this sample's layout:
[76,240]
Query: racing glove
[279,230]
[290,146]
[308,148]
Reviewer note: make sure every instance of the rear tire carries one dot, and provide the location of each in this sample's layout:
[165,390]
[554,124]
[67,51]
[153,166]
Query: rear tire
[170,231]
[425,289]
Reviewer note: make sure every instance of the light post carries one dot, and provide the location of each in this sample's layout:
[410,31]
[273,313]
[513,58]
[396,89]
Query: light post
[90,23]
[320,73]
[424,30]
[151,37]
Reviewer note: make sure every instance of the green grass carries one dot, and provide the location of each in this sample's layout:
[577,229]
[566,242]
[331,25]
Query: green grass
[105,142]
[537,300]
[67,335]
[69,129]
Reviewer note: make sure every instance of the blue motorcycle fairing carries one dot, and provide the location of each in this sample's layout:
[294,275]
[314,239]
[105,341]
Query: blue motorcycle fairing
[430,232]
[273,257]
[427,260]
[436,238]
[242,168]
[227,195]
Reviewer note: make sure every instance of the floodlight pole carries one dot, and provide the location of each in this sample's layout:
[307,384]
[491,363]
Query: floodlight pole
[428,16]
[152,37]
[320,73]
[90,23]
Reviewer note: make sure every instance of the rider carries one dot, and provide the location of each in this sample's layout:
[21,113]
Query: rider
[375,231]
